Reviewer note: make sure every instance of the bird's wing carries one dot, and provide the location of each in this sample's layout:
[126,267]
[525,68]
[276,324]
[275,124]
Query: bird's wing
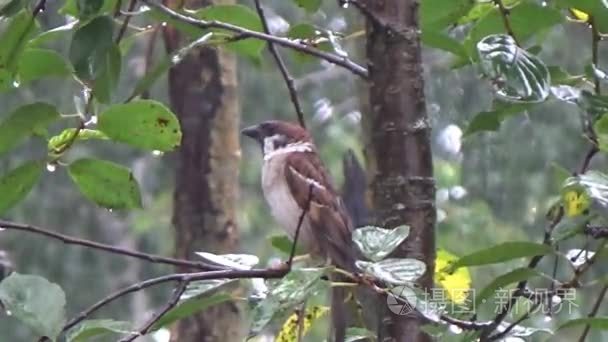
[329,221]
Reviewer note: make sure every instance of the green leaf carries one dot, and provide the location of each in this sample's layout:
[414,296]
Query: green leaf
[86,9]
[596,323]
[58,142]
[35,301]
[355,334]
[502,252]
[560,76]
[109,185]
[527,18]
[23,122]
[10,7]
[393,270]
[52,34]
[376,243]
[491,121]
[144,124]
[189,307]
[241,16]
[438,14]
[109,73]
[17,183]
[90,47]
[38,63]
[283,244]
[440,40]
[14,37]
[98,327]
[601,129]
[290,291]
[517,75]
[309,35]
[504,280]
[309,5]
[594,105]
[234,261]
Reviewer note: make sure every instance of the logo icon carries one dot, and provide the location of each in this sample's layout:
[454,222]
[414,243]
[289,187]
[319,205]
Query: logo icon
[401,300]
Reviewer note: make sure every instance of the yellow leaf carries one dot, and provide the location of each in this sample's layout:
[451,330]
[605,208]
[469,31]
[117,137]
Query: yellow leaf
[457,285]
[290,328]
[575,203]
[579,15]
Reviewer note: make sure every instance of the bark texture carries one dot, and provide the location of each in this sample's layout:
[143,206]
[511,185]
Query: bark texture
[398,147]
[203,93]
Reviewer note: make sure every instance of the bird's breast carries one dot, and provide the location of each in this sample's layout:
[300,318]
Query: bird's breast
[283,206]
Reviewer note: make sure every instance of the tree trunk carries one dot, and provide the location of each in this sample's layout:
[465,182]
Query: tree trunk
[202,91]
[398,147]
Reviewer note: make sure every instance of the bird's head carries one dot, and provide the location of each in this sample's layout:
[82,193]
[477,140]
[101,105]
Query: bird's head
[274,136]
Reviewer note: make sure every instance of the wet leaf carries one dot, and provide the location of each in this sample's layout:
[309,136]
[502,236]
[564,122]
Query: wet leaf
[517,75]
[35,301]
[23,122]
[96,328]
[376,243]
[503,281]
[394,270]
[144,124]
[90,47]
[500,253]
[17,183]
[109,185]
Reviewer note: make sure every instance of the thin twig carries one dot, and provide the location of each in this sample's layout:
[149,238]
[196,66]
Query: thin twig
[595,41]
[289,82]
[245,33]
[265,273]
[505,13]
[500,336]
[109,248]
[593,312]
[177,293]
[125,23]
[298,228]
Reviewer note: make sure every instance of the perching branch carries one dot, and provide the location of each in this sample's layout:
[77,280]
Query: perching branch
[593,312]
[109,248]
[289,82]
[245,33]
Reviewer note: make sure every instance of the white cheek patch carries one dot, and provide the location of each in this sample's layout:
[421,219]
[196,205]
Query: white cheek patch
[269,143]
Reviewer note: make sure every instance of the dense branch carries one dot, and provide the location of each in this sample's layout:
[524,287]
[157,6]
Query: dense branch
[243,33]
[109,248]
[282,67]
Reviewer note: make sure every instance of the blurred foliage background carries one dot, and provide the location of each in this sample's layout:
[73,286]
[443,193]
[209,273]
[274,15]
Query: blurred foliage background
[492,187]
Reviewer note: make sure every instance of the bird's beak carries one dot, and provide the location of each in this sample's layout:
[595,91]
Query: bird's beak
[253,132]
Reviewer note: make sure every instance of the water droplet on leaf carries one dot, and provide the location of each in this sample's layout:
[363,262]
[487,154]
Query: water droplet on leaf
[51,167]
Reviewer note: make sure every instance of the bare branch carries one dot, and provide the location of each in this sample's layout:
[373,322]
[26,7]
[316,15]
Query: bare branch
[269,273]
[125,23]
[177,293]
[109,248]
[593,312]
[282,67]
[505,13]
[245,33]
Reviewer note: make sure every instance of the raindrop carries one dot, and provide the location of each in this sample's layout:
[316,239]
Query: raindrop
[454,329]
[92,121]
[157,153]
[16,83]
[9,313]
[110,209]
[163,24]
[544,4]
[51,167]
[556,300]
[345,4]
[144,8]
[548,318]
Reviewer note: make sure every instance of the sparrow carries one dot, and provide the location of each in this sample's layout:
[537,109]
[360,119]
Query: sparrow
[293,174]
